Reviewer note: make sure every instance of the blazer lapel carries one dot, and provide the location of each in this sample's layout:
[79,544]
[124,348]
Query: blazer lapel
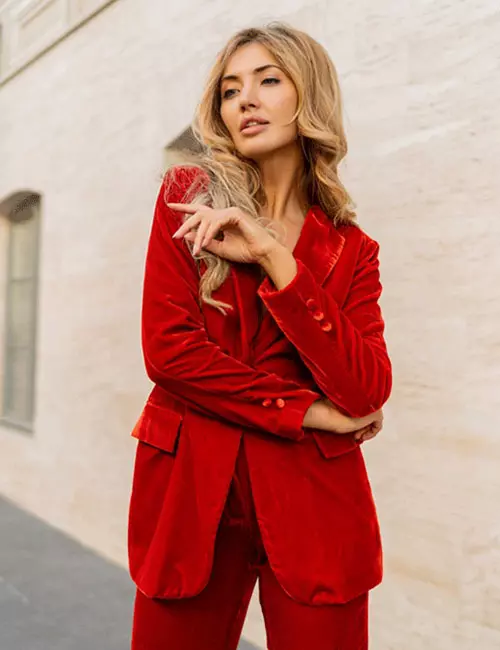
[320,244]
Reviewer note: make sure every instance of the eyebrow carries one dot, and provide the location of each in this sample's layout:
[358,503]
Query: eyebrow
[261,68]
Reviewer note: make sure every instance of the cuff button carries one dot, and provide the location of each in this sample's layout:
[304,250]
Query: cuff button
[319,315]
[280,403]
[326,327]
[267,402]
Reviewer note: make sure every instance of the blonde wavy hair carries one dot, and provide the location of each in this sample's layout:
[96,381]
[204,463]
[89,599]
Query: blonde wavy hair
[235,180]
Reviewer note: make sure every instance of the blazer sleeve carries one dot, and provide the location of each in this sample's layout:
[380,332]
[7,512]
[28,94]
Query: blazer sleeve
[344,348]
[179,356]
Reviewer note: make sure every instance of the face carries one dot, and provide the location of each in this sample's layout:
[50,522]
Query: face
[255,88]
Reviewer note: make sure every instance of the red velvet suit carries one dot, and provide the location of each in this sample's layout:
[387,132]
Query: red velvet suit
[254,373]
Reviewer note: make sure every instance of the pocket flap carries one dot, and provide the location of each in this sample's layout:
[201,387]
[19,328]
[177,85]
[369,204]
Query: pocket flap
[158,426]
[334,444]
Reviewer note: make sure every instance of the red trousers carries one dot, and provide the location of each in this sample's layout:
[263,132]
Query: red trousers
[213,620]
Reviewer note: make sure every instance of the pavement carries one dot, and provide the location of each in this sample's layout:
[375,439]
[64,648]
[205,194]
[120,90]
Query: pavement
[55,594]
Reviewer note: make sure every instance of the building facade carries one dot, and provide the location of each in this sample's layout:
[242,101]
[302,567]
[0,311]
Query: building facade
[92,95]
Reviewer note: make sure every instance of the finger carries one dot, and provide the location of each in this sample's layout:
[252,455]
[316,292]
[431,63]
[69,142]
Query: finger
[215,228]
[211,233]
[371,434]
[370,430]
[188,225]
[215,247]
[188,208]
[200,236]
[361,432]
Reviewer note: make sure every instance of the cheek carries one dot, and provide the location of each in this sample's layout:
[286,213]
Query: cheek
[229,118]
[284,109]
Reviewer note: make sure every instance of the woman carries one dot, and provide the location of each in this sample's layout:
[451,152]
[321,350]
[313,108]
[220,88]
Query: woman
[264,338]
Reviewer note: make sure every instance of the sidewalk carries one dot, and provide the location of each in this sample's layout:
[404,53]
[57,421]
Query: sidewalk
[56,594]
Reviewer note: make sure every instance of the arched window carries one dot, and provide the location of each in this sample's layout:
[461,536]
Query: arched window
[22,211]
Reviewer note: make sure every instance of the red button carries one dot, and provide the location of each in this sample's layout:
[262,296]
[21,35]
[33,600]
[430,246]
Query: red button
[280,403]
[267,402]
[311,303]
[326,327]
[319,315]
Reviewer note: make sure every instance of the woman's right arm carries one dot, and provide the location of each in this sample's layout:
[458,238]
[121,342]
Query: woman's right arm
[178,354]
[324,415]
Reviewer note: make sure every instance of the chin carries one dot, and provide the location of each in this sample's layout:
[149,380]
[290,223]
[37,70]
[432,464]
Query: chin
[258,150]
[257,153]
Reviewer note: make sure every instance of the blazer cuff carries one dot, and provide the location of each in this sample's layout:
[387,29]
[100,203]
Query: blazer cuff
[291,298]
[289,413]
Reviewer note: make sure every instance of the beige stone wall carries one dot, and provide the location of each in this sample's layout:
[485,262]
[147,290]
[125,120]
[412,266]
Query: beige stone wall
[85,125]
[423,123]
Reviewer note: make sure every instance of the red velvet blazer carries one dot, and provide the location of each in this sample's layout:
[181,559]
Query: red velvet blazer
[250,376]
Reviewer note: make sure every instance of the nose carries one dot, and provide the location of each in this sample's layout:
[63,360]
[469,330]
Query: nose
[248,97]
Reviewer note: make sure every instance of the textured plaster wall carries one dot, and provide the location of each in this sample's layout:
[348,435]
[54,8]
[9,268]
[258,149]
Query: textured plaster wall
[85,125]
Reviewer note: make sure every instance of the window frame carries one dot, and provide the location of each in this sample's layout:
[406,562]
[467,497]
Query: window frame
[35,201]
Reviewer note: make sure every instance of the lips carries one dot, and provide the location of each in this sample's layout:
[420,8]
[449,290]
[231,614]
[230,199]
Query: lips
[250,122]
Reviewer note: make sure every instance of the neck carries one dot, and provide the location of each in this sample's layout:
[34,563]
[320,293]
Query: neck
[281,174]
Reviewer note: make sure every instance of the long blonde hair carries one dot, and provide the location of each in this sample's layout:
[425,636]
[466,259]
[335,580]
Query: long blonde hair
[235,180]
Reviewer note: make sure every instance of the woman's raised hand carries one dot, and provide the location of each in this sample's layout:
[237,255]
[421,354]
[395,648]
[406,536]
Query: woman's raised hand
[228,233]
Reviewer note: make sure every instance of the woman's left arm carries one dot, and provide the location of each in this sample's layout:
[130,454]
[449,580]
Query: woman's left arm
[343,348]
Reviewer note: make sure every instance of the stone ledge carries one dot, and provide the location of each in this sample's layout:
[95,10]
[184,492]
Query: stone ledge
[29,30]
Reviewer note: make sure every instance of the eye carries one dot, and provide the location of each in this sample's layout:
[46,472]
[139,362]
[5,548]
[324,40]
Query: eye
[228,93]
[270,81]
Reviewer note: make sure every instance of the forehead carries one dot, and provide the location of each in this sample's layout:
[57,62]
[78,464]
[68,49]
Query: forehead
[247,58]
